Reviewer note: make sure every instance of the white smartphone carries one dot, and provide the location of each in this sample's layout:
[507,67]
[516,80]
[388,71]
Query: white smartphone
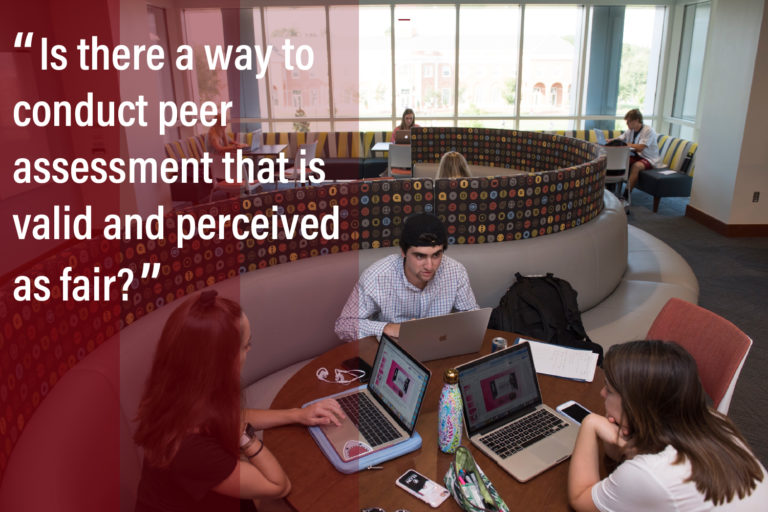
[423,488]
[574,411]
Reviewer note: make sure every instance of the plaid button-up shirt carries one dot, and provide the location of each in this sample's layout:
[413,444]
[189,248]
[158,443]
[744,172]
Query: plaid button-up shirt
[384,295]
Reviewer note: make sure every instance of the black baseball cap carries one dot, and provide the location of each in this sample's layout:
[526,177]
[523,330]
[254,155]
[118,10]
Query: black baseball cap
[423,230]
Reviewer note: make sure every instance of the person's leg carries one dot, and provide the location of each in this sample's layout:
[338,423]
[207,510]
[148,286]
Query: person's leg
[634,174]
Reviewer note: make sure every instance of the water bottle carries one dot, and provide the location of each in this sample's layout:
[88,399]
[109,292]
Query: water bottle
[449,413]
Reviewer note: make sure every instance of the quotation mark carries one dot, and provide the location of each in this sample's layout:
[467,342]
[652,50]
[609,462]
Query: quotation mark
[27,40]
[147,267]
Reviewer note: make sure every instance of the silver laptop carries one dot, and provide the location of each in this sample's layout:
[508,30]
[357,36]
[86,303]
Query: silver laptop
[403,137]
[385,412]
[599,136]
[506,418]
[256,137]
[445,336]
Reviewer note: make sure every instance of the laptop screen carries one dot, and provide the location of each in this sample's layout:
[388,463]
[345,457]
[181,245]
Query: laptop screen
[498,385]
[599,136]
[399,382]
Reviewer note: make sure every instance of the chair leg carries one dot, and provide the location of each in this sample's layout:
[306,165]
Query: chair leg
[656,201]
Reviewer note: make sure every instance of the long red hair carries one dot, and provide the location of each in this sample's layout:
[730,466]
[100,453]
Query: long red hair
[194,384]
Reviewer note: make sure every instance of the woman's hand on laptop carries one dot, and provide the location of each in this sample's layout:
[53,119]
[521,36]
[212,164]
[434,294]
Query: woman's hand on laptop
[324,412]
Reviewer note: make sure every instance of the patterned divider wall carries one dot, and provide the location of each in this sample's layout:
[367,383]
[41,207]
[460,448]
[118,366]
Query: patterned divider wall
[503,208]
[40,342]
[511,149]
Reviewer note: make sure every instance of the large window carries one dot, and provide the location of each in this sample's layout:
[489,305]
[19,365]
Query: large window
[691,60]
[640,53]
[550,56]
[205,27]
[291,89]
[532,66]
[158,34]
[362,60]
[489,38]
[425,36]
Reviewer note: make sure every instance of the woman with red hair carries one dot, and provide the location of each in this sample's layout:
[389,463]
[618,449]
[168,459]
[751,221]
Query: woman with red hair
[200,446]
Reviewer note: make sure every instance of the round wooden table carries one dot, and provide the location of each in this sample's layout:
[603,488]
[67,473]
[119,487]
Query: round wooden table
[317,486]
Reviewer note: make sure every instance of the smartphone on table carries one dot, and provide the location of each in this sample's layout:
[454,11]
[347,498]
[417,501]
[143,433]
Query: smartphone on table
[574,411]
[426,490]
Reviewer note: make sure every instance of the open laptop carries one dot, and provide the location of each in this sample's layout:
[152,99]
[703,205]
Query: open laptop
[403,137]
[256,137]
[506,418]
[599,136]
[445,336]
[383,413]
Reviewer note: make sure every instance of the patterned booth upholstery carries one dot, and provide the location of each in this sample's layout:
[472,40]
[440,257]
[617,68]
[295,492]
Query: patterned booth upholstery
[678,156]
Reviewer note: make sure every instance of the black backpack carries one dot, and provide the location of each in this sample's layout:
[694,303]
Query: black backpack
[543,307]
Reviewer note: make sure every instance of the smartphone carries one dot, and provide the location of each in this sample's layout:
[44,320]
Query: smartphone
[356,363]
[423,488]
[573,411]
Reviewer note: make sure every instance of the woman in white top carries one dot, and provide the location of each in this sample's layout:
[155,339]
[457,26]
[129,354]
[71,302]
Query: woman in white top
[678,454]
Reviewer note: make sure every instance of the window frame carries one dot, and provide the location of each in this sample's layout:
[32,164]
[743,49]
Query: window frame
[576,117]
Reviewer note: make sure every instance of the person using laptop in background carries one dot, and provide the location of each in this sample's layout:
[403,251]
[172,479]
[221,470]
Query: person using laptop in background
[453,165]
[406,123]
[191,421]
[678,453]
[642,139]
[418,283]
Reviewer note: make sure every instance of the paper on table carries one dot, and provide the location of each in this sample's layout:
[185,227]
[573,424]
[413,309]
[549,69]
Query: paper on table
[560,361]
[669,171]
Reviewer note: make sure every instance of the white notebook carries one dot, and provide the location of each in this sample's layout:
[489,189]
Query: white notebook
[566,362]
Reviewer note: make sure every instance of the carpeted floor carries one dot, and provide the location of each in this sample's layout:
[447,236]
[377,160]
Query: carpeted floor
[733,282]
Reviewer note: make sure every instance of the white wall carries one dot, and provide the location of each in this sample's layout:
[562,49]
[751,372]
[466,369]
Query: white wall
[753,165]
[726,167]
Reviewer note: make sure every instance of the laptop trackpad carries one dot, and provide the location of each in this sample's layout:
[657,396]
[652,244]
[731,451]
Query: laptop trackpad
[550,450]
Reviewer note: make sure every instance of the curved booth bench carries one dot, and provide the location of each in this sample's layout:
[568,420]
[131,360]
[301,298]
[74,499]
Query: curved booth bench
[78,370]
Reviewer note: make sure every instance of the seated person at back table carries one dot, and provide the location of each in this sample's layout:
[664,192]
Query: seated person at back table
[453,165]
[406,123]
[642,139]
[676,453]
[421,282]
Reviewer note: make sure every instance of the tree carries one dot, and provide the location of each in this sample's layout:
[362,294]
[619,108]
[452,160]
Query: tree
[208,82]
[633,77]
[510,91]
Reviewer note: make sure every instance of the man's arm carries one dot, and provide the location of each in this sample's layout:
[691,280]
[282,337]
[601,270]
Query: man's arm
[354,323]
[465,297]
[643,140]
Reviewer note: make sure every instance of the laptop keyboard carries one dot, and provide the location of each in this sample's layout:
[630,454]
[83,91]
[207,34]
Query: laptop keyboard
[522,433]
[373,426]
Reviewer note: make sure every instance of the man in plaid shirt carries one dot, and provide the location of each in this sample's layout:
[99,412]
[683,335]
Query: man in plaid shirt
[421,282]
